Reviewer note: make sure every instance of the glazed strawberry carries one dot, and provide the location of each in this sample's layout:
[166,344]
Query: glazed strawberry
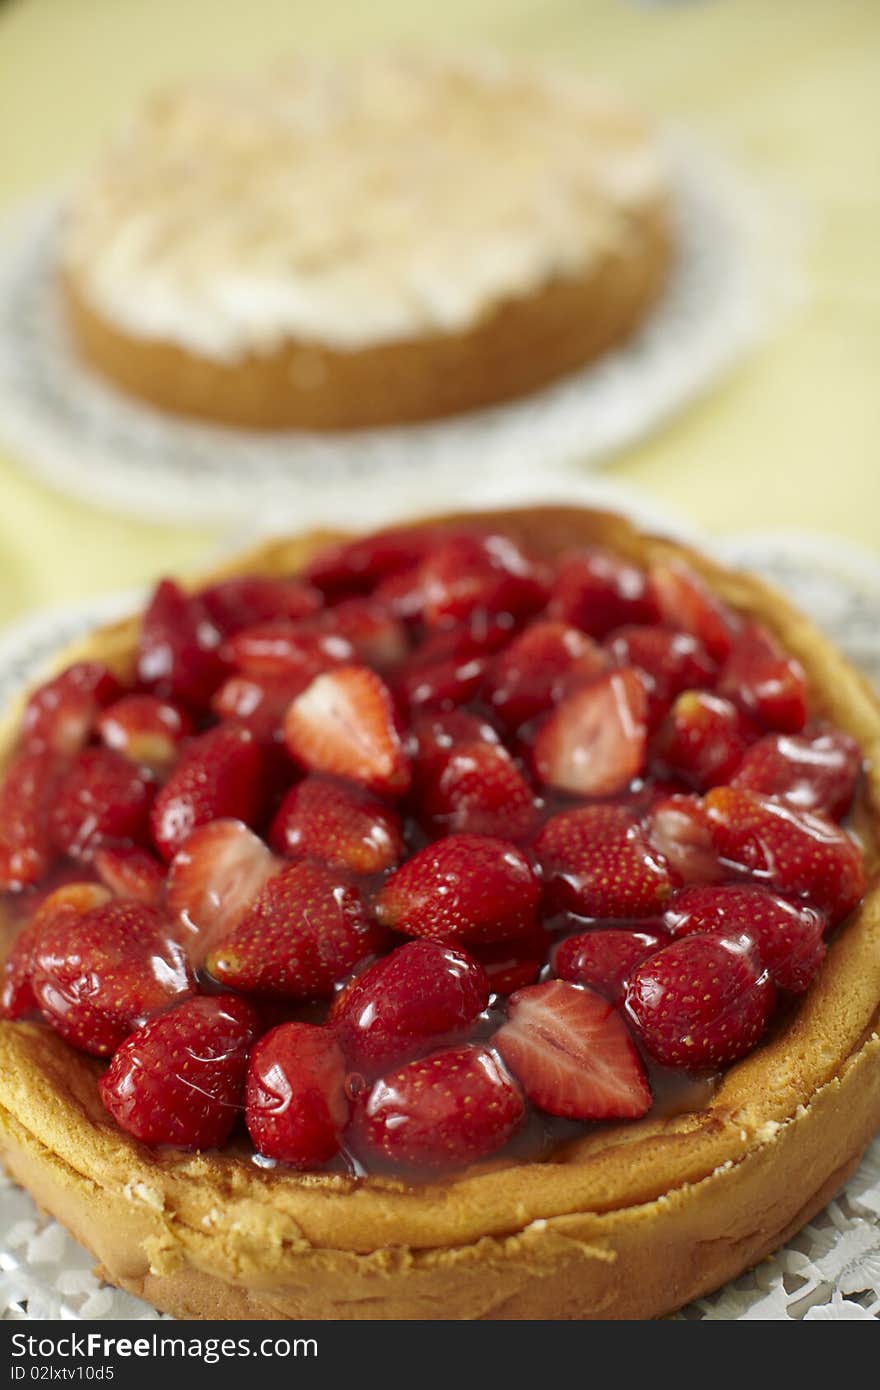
[462,889]
[451,1108]
[27,794]
[597,592]
[375,635]
[537,668]
[357,566]
[598,862]
[814,771]
[257,702]
[99,975]
[684,602]
[73,900]
[213,880]
[131,872]
[702,1001]
[433,736]
[305,931]
[491,573]
[178,656]
[449,666]
[703,739]
[339,823]
[678,828]
[605,959]
[220,774]
[669,662]
[402,594]
[765,681]
[144,729]
[511,965]
[344,724]
[788,935]
[290,650]
[237,603]
[180,1080]
[421,992]
[572,1054]
[295,1102]
[479,791]
[594,742]
[60,715]
[102,798]
[791,851]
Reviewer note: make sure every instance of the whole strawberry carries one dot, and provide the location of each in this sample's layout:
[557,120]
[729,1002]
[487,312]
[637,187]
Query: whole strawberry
[817,770]
[27,795]
[460,890]
[71,901]
[598,862]
[305,931]
[597,591]
[180,1079]
[220,774]
[340,823]
[178,649]
[765,681]
[295,1103]
[702,1001]
[60,715]
[478,791]
[604,959]
[101,799]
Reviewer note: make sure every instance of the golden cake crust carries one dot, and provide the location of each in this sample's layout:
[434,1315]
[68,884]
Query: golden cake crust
[630,1221]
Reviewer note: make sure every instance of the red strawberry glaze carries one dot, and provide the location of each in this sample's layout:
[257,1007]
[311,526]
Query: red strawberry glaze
[437,853]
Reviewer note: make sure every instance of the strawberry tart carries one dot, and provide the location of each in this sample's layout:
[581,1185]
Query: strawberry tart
[332,245]
[474,920]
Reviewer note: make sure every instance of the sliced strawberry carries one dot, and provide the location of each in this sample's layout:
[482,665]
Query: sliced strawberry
[340,824]
[306,930]
[99,975]
[572,1054]
[598,862]
[598,592]
[355,567]
[684,602]
[101,798]
[290,650]
[180,1080]
[213,881]
[703,739]
[470,573]
[131,872]
[511,965]
[237,603]
[479,791]
[27,794]
[814,771]
[375,635]
[258,702]
[421,993]
[60,715]
[144,729]
[445,1110]
[72,901]
[765,681]
[678,828]
[178,656]
[702,1001]
[791,851]
[344,724]
[788,936]
[460,890]
[295,1102]
[669,662]
[540,664]
[605,959]
[220,775]
[594,742]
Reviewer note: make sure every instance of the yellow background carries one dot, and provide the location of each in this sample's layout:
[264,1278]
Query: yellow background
[790,88]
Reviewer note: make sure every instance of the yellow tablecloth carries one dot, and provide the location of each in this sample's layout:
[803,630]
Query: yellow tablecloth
[791,89]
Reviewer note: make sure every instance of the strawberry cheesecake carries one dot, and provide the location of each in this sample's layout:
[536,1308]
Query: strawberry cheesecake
[473,920]
[332,245]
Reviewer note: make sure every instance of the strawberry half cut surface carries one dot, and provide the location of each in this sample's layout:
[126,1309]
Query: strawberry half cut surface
[429,854]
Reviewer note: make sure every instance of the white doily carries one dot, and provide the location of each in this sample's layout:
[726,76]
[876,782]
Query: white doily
[831,1270]
[734,275]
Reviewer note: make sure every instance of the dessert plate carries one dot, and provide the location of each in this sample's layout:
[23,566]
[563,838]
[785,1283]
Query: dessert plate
[831,1270]
[732,278]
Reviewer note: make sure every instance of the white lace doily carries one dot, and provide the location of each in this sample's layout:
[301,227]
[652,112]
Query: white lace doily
[734,274]
[831,1270]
